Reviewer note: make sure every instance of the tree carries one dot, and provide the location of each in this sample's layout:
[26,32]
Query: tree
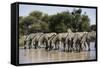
[36,14]
[85,25]
[25,24]
[60,28]
[35,28]
[44,27]
[46,18]
[76,19]
[37,21]
[67,19]
[20,18]
[93,27]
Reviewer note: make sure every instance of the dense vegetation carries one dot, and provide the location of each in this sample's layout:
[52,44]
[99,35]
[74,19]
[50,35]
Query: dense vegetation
[37,21]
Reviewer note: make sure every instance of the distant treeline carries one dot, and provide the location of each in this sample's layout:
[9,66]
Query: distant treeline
[37,21]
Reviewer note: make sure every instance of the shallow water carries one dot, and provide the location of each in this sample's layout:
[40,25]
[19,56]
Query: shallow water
[41,55]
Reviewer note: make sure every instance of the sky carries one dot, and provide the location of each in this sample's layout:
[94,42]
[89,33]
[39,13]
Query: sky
[24,10]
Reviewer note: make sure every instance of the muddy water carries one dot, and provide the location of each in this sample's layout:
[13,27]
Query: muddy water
[41,55]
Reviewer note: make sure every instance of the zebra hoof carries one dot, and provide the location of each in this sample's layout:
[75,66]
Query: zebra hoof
[24,47]
[29,47]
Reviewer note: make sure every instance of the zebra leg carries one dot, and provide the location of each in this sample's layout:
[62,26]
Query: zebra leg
[64,46]
[55,46]
[83,46]
[68,45]
[68,48]
[76,47]
[29,46]
[88,46]
[39,45]
[35,46]
[46,46]
[24,46]
[72,46]
[80,47]
[50,46]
